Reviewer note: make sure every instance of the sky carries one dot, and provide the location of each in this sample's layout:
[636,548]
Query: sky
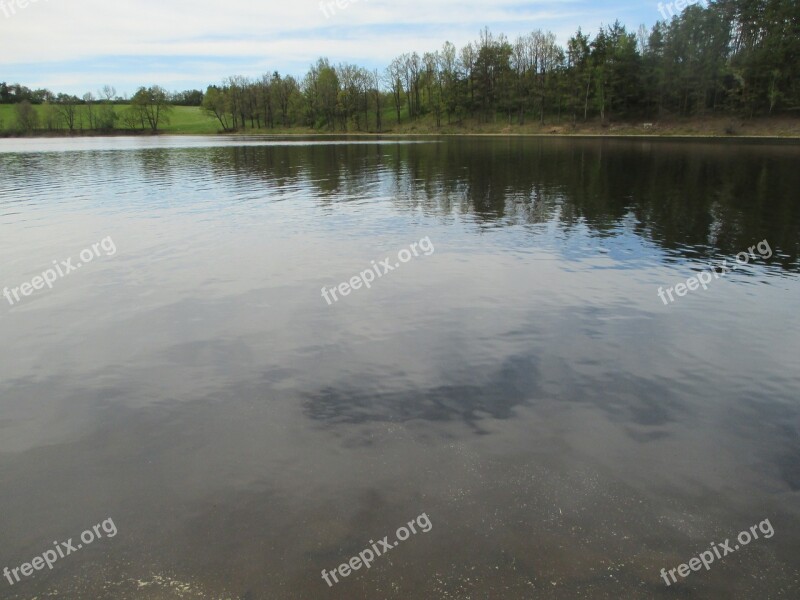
[77,46]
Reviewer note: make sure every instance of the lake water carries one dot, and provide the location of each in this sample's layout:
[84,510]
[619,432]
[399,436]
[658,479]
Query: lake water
[518,379]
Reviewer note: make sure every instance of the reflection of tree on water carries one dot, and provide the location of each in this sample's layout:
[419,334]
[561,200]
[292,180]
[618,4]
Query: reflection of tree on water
[713,196]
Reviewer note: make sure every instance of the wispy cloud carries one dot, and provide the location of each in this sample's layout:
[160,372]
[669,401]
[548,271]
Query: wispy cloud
[77,45]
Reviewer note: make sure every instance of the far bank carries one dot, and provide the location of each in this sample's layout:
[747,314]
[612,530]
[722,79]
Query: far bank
[188,120]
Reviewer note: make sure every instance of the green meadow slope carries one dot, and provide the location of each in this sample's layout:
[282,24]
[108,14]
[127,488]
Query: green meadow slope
[182,119]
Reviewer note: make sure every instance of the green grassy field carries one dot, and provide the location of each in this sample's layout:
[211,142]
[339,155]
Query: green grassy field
[191,119]
[182,119]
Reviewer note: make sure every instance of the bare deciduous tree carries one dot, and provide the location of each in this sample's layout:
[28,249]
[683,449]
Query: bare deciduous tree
[27,117]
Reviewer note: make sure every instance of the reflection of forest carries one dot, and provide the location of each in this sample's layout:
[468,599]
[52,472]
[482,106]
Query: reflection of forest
[718,196]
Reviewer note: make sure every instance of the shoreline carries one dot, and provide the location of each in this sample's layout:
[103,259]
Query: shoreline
[191,121]
[364,134]
[775,129]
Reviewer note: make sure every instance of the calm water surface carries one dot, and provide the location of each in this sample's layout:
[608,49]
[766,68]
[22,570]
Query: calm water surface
[567,434]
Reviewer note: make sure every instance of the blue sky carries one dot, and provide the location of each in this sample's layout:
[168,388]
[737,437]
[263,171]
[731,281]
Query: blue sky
[77,46]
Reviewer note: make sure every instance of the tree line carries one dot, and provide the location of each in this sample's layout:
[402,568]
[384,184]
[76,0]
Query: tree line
[736,57]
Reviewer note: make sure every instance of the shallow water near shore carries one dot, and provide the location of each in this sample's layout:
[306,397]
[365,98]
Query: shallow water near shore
[567,433]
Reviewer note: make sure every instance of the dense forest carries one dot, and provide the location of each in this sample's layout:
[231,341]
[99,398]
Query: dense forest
[737,57]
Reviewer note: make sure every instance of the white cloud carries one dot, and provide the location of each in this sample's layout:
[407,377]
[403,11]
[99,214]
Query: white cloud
[41,38]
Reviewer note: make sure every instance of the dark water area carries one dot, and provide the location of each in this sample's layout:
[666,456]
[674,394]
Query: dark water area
[515,371]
